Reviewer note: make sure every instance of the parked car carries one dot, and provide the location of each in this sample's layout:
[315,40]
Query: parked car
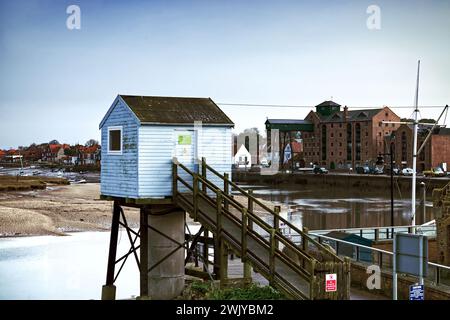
[407,171]
[434,172]
[320,170]
[363,170]
[377,170]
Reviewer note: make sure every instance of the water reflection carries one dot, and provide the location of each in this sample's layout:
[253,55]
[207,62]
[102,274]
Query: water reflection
[322,208]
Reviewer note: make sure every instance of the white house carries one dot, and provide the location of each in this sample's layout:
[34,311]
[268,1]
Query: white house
[142,134]
[243,158]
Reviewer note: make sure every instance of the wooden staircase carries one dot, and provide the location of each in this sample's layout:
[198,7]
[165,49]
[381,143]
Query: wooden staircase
[297,270]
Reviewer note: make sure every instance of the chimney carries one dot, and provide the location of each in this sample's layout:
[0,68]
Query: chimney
[345,113]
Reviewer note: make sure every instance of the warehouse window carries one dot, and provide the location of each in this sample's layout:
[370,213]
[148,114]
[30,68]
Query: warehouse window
[115,140]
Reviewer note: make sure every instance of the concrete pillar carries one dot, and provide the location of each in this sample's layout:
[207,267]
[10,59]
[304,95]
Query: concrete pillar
[166,280]
[109,292]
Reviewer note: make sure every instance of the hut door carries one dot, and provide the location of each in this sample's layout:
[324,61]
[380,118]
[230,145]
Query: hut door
[185,147]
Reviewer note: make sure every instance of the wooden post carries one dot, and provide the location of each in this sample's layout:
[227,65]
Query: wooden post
[276,222]
[143,260]
[205,251]
[250,208]
[223,263]
[216,268]
[312,282]
[305,240]
[226,190]
[244,258]
[204,174]
[195,196]
[272,257]
[174,179]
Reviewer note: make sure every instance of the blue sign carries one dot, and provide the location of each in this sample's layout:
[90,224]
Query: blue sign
[287,153]
[416,292]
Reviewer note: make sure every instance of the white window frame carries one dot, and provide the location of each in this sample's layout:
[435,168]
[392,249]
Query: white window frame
[114,128]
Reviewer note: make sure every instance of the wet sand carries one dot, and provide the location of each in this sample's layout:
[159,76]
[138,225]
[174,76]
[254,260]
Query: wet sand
[60,209]
[57,210]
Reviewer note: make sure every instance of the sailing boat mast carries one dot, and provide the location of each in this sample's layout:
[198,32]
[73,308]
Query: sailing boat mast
[413,188]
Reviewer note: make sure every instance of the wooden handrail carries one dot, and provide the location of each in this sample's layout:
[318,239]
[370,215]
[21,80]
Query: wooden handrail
[264,225]
[272,212]
[223,201]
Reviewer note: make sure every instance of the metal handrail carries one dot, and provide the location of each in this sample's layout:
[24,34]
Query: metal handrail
[372,228]
[381,251]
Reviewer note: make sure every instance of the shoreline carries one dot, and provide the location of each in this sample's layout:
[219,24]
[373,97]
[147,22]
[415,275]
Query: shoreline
[57,210]
[63,209]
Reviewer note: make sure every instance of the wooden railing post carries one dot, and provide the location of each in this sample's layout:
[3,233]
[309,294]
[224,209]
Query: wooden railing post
[276,222]
[223,262]
[244,233]
[219,214]
[174,179]
[377,234]
[305,240]
[272,257]
[312,280]
[195,196]
[226,190]
[244,257]
[204,174]
[250,207]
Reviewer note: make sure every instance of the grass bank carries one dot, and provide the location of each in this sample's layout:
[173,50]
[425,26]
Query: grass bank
[18,183]
[208,290]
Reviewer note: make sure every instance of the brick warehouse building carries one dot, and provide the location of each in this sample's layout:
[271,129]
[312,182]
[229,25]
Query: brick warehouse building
[335,138]
[435,153]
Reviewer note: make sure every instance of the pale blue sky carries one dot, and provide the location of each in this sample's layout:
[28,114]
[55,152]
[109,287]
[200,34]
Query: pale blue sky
[58,83]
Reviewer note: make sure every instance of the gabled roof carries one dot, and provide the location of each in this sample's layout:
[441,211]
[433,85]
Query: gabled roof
[175,110]
[287,121]
[364,114]
[328,103]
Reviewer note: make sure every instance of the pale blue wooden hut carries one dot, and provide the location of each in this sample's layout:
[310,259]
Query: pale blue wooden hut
[140,135]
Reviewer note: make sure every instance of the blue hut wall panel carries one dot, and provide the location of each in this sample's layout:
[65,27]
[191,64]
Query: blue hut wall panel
[119,173]
[159,144]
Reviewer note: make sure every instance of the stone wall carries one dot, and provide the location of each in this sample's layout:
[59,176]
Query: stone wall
[359,279]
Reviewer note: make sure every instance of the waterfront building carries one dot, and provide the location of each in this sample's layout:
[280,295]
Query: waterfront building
[335,138]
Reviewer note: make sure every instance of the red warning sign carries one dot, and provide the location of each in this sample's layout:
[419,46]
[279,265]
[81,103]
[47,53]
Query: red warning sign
[330,282]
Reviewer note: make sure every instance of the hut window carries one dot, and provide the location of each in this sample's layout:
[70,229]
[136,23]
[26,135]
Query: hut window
[115,140]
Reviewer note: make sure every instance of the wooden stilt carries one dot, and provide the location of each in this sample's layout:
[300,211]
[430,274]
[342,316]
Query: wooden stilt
[144,252]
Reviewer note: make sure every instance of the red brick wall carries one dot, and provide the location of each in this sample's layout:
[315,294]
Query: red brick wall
[440,150]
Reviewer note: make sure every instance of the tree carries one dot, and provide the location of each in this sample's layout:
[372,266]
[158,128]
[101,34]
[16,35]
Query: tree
[91,142]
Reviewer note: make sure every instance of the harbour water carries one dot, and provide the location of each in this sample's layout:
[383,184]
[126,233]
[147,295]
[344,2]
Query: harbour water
[74,267]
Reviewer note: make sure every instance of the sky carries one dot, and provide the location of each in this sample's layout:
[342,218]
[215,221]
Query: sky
[57,83]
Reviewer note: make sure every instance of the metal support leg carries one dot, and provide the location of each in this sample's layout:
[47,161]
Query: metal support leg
[109,289]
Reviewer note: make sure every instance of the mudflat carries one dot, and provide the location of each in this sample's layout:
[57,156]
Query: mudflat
[57,210]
